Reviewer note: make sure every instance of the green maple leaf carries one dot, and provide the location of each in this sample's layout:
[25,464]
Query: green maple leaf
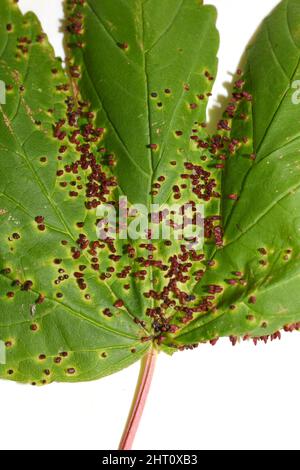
[127,118]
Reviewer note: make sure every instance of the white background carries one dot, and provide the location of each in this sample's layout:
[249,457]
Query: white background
[211,398]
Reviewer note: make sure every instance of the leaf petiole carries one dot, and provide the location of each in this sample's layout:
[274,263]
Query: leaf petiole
[139,399]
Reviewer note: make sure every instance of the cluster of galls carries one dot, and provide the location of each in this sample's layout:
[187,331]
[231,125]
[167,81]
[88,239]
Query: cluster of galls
[89,179]
[200,181]
[85,139]
[16,284]
[22,44]
[172,303]
[223,145]
[74,26]
[235,339]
